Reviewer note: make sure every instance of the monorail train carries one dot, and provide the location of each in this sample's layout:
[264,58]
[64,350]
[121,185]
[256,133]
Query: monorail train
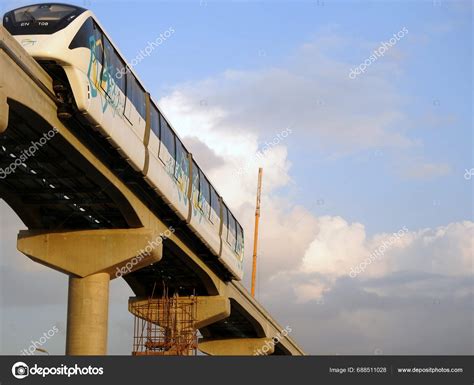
[105,90]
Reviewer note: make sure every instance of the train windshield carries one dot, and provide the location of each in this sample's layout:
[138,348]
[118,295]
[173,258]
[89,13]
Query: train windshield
[40,18]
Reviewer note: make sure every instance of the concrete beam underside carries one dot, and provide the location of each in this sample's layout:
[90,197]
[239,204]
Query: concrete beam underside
[86,252]
[209,309]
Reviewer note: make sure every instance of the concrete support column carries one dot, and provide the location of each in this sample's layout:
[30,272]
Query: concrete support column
[87,315]
[91,258]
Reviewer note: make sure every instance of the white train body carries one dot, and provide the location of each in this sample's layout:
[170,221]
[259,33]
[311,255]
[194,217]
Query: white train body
[109,94]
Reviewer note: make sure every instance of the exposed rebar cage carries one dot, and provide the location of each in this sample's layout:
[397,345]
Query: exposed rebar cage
[165,326]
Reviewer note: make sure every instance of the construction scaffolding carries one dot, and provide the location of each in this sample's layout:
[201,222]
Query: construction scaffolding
[165,326]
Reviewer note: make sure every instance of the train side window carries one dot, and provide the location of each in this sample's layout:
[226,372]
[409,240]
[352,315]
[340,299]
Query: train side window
[195,192]
[135,96]
[96,43]
[139,99]
[231,236]
[130,89]
[214,215]
[119,67]
[155,120]
[181,170]
[168,145]
[240,235]
[225,219]
[112,70]
[84,37]
[205,194]
[106,64]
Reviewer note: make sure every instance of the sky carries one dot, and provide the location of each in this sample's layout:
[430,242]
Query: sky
[348,161]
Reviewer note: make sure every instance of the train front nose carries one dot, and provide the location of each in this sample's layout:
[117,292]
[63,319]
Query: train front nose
[39,28]
[38,46]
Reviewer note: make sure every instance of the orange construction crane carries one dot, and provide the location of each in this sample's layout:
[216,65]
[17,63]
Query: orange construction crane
[255,236]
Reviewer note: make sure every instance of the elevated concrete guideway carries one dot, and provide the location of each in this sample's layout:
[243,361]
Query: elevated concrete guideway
[88,214]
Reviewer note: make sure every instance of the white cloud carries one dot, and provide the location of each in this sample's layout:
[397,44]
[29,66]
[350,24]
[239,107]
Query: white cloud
[340,247]
[335,247]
